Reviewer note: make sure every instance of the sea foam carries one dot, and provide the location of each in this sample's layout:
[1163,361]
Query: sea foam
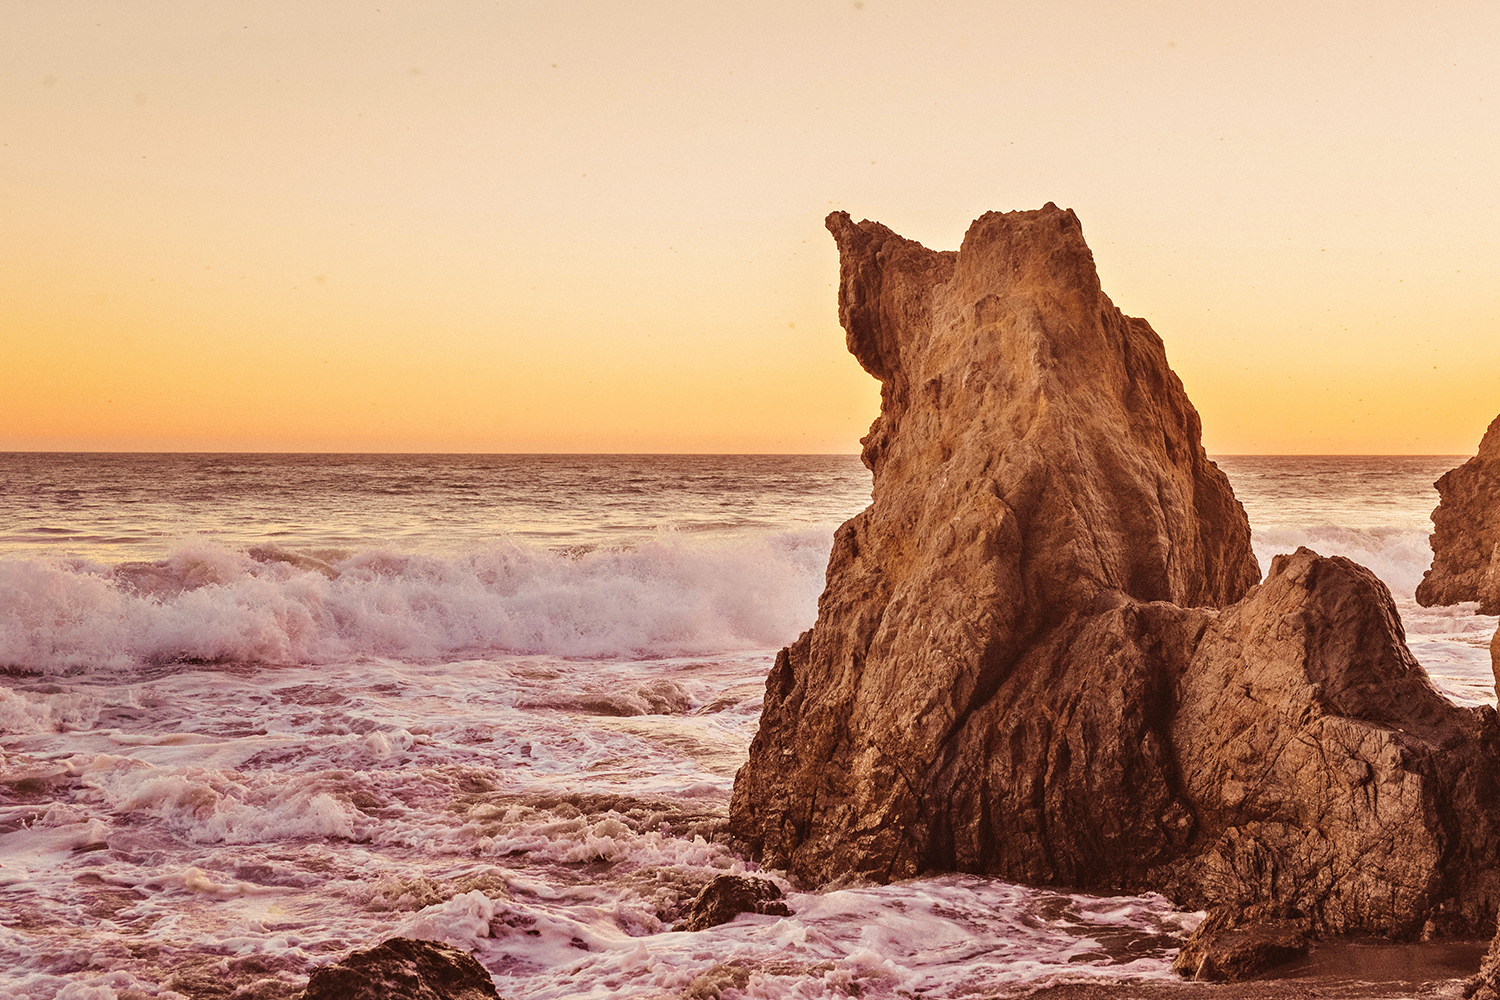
[683,595]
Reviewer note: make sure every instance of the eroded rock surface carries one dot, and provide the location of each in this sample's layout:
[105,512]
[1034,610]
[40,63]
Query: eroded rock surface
[1035,461]
[1466,532]
[1325,771]
[1232,945]
[403,969]
[1039,654]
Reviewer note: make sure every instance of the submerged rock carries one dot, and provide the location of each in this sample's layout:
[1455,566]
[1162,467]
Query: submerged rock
[1466,532]
[727,896]
[1039,654]
[403,969]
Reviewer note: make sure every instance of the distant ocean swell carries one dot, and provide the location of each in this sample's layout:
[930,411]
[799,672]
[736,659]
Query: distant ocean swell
[681,596]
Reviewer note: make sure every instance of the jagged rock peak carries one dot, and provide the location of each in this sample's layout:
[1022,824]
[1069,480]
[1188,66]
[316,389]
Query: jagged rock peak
[1006,363]
[1466,535]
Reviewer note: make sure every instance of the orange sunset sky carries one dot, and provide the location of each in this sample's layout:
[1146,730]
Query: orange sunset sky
[464,226]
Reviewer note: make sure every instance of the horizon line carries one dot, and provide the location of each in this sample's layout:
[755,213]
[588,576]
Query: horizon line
[682,454]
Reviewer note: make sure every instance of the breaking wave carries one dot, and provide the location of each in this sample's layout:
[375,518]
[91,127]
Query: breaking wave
[685,595]
[681,596]
[1399,556]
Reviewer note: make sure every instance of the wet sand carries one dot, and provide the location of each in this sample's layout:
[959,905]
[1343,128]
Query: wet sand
[1342,970]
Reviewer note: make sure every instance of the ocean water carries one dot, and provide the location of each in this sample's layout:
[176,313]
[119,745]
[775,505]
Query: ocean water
[258,711]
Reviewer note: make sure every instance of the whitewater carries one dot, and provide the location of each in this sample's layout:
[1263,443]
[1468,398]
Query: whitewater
[259,711]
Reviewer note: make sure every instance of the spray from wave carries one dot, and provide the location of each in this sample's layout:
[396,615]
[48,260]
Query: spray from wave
[1399,556]
[679,596]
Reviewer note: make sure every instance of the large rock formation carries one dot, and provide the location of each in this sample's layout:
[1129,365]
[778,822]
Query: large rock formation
[1466,532]
[1019,667]
[1035,461]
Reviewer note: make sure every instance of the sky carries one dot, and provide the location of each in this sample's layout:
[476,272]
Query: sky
[594,227]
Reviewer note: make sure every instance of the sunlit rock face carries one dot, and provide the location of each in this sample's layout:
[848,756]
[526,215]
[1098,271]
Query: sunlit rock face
[1020,666]
[1466,535]
[1035,462]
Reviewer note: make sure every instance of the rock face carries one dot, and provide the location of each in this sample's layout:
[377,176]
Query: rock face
[1036,657]
[403,969]
[1035,461]
[1327,774]
[1466,532]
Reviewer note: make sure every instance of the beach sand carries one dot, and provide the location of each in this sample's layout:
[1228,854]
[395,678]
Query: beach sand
[1338,970]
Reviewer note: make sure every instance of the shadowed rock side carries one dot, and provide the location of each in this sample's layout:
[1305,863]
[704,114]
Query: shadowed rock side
[1018,667]
[1466,532]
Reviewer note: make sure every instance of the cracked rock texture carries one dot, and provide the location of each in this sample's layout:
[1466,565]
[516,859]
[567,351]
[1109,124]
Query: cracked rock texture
[1325,772]
[1466,532]
[1042,653]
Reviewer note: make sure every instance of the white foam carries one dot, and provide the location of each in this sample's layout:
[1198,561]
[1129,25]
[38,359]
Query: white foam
[292,813]
[95,986]
[683,595]
[207,806]
[947,936]
[33,712]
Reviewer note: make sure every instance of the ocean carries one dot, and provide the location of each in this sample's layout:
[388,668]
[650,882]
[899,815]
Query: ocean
[257,711]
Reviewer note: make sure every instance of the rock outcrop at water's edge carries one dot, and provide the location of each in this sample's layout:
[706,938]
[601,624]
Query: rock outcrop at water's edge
[1466,532]
[727,896]
[403,969]
[1325,772]
[1042,653]
[1035,462]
